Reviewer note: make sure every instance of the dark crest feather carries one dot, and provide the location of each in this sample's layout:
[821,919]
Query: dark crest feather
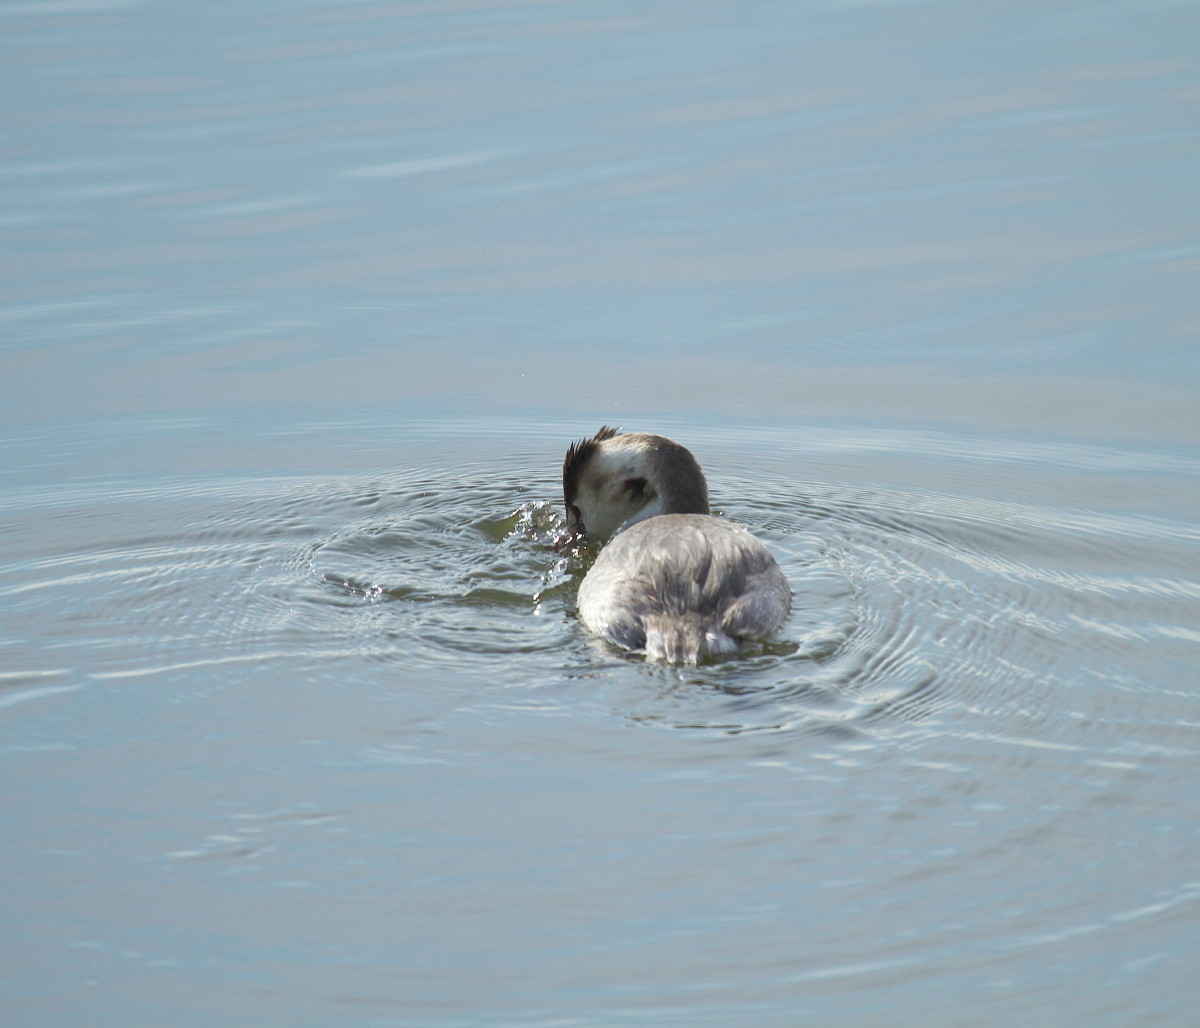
[578,454]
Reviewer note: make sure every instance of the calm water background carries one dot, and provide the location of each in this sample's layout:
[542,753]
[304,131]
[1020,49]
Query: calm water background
[301,303]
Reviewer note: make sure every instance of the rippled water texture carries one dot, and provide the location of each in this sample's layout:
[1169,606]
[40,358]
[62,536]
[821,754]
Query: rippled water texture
[301,305]
[348,725]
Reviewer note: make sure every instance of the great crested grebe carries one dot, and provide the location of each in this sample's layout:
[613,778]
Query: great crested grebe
[674,581]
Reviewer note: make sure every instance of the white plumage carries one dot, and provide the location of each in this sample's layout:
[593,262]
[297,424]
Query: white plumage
[674,581]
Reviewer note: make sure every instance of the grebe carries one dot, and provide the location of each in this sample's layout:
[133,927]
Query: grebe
[674,581]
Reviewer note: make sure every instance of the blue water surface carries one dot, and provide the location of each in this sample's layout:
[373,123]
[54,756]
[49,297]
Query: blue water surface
[301,305]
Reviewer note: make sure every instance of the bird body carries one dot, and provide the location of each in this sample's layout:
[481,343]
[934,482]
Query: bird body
[674,581]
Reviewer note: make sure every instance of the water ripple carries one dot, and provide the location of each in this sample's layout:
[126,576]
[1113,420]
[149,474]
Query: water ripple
[916,616]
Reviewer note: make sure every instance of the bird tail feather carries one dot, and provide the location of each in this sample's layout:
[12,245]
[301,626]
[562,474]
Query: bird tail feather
[685,640]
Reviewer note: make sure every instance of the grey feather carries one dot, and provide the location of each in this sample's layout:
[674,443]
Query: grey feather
[674,582]
[684,587]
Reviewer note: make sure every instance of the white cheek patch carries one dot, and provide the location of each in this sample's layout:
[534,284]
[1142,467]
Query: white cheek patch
[616,490]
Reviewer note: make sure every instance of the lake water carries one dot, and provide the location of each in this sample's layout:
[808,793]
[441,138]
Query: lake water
[301,305]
